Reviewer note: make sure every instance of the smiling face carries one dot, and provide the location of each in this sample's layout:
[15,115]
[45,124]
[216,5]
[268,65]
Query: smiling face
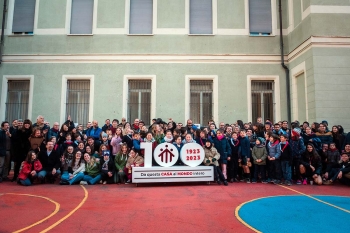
[309,148]
[86,157]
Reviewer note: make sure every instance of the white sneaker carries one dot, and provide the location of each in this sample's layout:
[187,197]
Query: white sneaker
[83,182]
[104,182]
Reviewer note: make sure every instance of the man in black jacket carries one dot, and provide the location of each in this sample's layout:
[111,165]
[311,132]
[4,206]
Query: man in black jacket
[50,160]
[5,147]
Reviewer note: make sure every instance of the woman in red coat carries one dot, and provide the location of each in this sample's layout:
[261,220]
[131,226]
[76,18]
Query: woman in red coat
[30,167]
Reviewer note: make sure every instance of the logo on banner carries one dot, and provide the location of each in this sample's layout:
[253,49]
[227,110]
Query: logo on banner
[166,154]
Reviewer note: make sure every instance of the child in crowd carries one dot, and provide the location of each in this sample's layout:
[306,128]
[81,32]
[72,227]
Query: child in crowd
[66,143]
[75,171]
[233,158]
[311,165]
[92,170]
[333,156]
[259,155]
[224,149]
[274,154]
[30,167]
[178,144]
[298,148]
[340,170]
[286,159]
[211,158]
[244,152]
[120,162]
[134,160]
[116,141]
[107,168]
[137,142]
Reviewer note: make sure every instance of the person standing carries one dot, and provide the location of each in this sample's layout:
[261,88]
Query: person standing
[5,147]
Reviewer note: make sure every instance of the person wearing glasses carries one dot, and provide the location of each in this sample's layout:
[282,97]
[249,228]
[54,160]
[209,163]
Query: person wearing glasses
[325,137]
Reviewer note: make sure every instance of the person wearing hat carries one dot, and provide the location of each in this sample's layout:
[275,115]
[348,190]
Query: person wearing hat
[211,159]
[107,168]
[298,147]
[259,154]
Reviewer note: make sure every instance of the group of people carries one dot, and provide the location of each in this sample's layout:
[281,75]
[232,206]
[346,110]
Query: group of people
[279,153]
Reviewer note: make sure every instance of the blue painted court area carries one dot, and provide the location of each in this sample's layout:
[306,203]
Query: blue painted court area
[297,214]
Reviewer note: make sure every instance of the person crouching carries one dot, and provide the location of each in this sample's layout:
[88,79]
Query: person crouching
[211,159]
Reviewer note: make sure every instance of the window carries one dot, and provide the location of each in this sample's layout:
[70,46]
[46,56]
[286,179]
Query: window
[263,100]
[141,16]
[78,100]
[81,18]
[260,17]
[201,17]
[17,99]
[139,100]
[23,17]
[201,101]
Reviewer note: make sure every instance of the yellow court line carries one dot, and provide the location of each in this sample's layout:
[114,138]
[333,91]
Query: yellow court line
[316,199]
[69,214]
[42,220]
[241,220]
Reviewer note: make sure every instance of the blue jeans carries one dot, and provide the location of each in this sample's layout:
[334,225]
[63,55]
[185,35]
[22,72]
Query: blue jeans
[92,180]
[25,182]
[42,174]
[286,170]
[77,178]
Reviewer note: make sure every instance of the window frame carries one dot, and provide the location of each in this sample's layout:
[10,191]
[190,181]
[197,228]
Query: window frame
[4,90]
[214,19]
[127,19]
[69,18]
[126,79]
[273,19]
[65,79]
[215,94]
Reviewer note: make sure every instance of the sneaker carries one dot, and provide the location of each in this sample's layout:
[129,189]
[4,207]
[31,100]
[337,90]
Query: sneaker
[272,181]
[100,181]
[253,181]
[248,181]
[264,182]
[104,182]
[219,182]
[305,182]
[298,181]
[64,183]
[231,180]
[327,182]
[83,182]
[128,182]
[225,183]
[276,182]
[288,183]
[268,180]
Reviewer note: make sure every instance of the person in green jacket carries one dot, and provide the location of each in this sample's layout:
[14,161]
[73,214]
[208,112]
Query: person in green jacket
[92,170]
[120,160]
[259,155]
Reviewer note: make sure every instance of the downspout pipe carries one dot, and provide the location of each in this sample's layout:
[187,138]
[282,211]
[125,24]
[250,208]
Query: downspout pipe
[2,30]
[289,114]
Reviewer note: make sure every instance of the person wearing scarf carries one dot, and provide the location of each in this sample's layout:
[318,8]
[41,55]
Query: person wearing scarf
[274,154]
[178,144]
[168,137]
[298,148]
[233,158]
[134,160]
[259,155]
[107,168]
[244,152]
[224,149]
[211,159]
[286,159]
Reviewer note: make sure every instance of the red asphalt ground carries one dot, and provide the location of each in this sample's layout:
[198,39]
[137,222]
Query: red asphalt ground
[180,207]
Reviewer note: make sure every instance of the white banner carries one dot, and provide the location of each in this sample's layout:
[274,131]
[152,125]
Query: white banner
[172,174]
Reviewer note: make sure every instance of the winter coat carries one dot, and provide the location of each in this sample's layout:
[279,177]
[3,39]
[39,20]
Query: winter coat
[274,150]
[92,168]
[307,160]
[2,143]
[286,152]
[209,154]
[235,147]
[95,133]
[120,161]
[259,153]
[115,143]
[134,160]
[74,171]
[244,149]
[333,156]
[298,147]
[223,148]
[27,168]
[325,138]
[315,140]
[109,168]
[49,162]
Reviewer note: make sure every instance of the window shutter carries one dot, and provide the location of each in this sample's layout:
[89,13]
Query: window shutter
[81,18]
[260,16]
[201,17]
[23,16]
[141,16]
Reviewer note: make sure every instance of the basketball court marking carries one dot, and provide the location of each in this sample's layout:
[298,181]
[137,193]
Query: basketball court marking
[57,208]
[86,194]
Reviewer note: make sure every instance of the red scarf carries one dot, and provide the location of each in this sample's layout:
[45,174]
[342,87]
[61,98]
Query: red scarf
[285,145]
[274,144]
[333,150]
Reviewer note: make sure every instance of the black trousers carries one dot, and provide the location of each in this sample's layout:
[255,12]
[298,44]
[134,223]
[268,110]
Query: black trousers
[218,173]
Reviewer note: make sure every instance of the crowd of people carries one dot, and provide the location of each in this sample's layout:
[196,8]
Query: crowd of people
[279,153]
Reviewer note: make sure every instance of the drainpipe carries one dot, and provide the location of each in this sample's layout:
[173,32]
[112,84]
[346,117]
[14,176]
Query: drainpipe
[289,115]
[2,30]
